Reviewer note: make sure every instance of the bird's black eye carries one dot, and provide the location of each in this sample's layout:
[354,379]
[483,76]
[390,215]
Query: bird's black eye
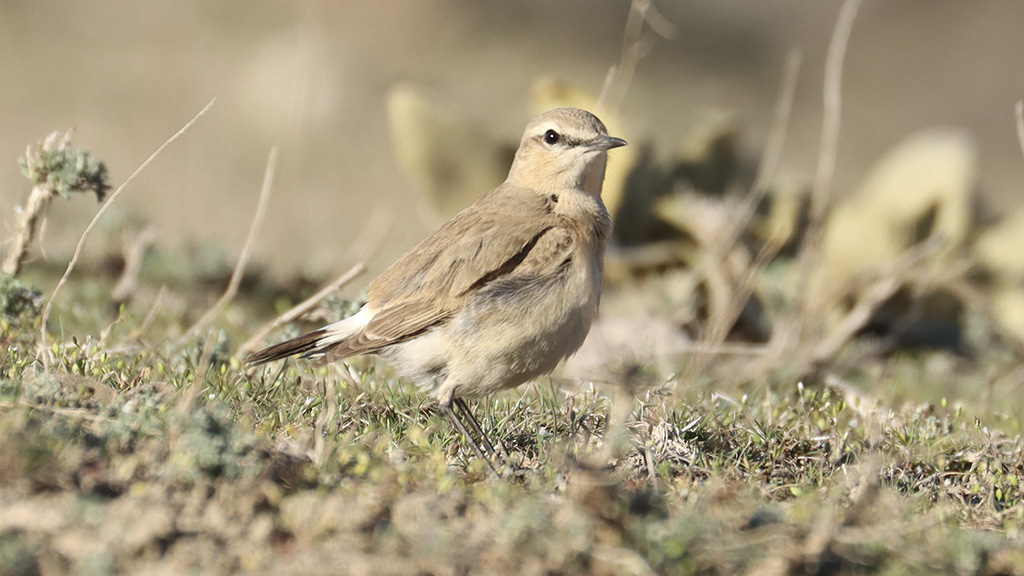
[551,137]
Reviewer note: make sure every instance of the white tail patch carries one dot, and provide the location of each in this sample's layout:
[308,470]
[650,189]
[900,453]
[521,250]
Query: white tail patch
[344,329]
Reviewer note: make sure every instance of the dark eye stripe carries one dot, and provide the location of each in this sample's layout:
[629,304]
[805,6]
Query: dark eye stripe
[552,137]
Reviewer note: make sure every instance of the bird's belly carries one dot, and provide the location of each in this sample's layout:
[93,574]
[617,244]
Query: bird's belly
[423,359]
[496,353]
[503,340]
[511,331]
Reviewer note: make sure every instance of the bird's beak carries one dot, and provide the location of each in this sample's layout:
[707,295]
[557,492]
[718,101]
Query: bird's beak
[608,142]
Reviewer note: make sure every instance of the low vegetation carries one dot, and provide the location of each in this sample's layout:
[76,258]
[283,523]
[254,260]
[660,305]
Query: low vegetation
[135,454]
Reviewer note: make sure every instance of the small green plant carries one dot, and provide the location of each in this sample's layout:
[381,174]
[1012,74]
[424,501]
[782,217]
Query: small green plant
[60,170]
[19,305]
[54,169]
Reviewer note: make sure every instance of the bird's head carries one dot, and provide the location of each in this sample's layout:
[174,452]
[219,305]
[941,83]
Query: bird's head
[564,148]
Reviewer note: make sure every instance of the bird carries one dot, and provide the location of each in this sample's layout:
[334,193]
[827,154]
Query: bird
[499,294]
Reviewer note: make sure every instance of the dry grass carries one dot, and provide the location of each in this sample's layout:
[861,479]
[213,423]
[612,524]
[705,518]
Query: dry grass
[292,468]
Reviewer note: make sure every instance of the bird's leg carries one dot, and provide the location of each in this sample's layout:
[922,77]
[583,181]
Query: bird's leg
[446,407]
[475,425]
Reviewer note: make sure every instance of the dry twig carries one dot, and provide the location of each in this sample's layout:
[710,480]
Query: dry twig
[723,316]
[153,310]
[821,190]
[1019,110]
[634,47]
[43,347]
[243,258]
[135,248]
[791,332]
[765,171]
[38,199]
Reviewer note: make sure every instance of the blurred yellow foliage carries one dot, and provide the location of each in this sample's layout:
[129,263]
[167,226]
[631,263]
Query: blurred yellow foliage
[451,158]
[922,188]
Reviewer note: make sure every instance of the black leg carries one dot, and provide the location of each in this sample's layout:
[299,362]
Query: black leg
[450,413]
[473,424]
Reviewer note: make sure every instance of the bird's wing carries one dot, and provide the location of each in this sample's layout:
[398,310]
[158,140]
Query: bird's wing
[481,244]
[507,234]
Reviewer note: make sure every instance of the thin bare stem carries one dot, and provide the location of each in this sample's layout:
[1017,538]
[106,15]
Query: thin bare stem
[770,158]
[44,348]
[299,309]
[1019,108]
[777,133]
[723,349]
[606,88]
[734,300]
[634,47]
[135,248]
[243,259]
[832,99]
[822,188]
[656,21]
[153,310]
[187,400]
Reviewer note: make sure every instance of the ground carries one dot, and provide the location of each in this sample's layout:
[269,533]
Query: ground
[136,458]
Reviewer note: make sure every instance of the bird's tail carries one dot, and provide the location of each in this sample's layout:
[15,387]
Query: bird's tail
[305,344]
[314,344]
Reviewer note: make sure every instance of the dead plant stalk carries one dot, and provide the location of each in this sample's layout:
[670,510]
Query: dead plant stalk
[38,199]
[821,191]
[243,259]
[43,346]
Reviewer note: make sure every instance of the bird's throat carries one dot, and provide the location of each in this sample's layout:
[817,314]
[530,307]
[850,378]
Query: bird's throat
[593,176]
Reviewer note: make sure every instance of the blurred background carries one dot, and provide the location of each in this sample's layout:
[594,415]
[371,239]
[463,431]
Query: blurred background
[312,78]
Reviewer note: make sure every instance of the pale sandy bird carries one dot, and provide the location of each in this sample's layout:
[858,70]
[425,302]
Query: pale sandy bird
[503,291]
